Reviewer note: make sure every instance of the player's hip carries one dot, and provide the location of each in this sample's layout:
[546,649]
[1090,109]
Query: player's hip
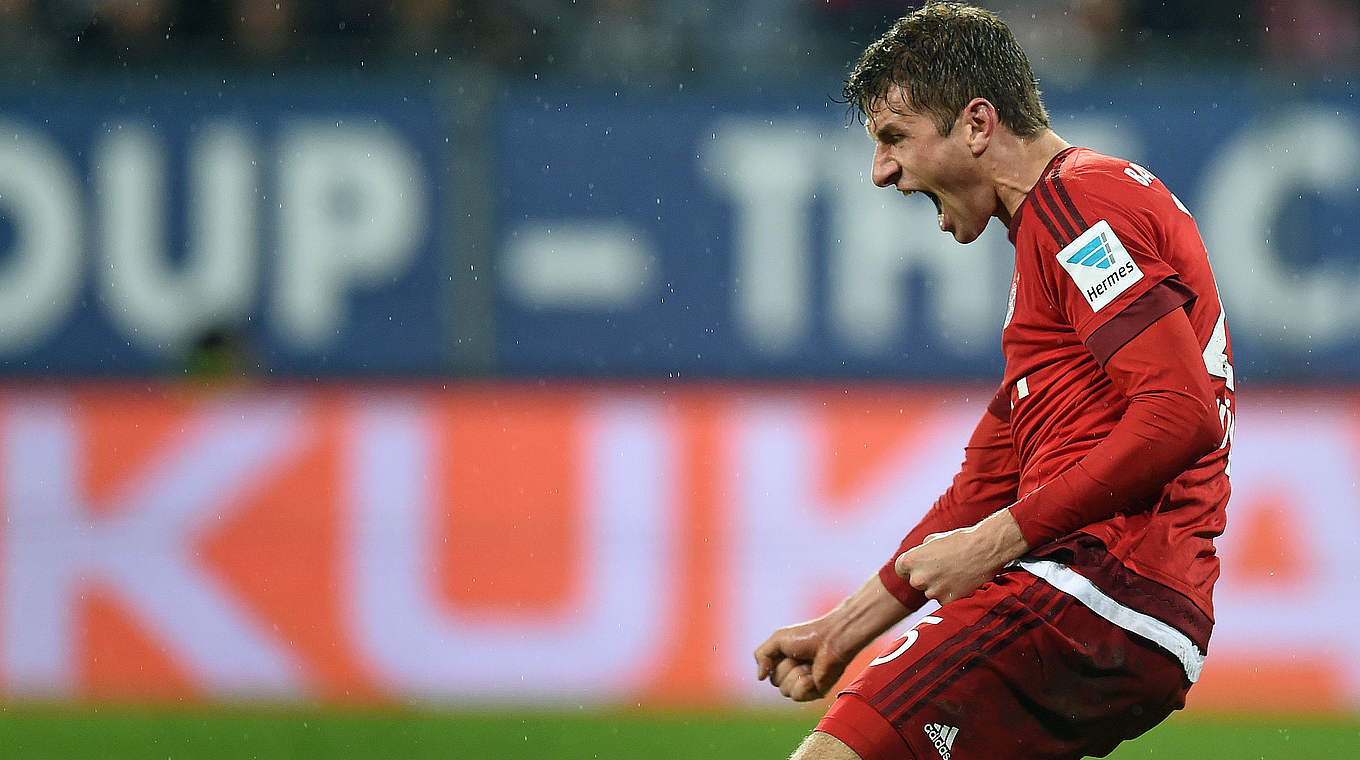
[1020,663]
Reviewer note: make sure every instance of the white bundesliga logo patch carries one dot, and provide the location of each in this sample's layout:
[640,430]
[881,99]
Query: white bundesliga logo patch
[1099,265]
[942,737]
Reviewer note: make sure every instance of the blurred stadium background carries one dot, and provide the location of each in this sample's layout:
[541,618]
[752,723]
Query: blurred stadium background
[485,378]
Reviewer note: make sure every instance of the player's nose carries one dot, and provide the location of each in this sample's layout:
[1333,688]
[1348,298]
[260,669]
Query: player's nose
[886,171]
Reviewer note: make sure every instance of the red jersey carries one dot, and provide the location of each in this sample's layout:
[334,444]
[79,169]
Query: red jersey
[1103,250]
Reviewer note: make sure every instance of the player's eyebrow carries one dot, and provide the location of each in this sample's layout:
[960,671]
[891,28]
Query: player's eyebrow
[884,133]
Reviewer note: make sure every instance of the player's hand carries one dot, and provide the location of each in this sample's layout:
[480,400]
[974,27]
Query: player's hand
[949,566]
[801,660]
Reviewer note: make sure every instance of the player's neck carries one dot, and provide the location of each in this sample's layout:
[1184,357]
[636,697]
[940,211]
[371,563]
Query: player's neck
[1018,168]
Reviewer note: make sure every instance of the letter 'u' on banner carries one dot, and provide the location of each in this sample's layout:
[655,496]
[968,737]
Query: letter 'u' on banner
[418,643]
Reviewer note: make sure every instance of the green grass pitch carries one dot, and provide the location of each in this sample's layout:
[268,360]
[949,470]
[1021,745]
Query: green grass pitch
[108,733]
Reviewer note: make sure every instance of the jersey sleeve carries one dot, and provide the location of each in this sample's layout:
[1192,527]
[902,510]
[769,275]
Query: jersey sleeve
[1171,422]
[1113,278]
[987,481]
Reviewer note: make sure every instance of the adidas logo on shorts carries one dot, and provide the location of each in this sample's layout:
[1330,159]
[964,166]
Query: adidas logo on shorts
[942,737]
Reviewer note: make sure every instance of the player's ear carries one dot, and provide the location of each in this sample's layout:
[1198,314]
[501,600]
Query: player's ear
[979,121]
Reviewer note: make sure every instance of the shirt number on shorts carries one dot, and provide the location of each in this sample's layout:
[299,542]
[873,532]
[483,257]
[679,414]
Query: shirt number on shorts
[907,641]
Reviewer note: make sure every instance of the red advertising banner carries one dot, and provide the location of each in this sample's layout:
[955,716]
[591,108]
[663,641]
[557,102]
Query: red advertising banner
[586,544]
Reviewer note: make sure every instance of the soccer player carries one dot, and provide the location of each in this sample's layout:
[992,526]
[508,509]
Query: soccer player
[1073,554]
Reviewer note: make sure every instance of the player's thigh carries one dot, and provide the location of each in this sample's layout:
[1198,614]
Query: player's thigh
[820,745]
[1018,669]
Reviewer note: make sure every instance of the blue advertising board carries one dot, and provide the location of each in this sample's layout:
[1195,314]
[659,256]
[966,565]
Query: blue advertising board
[301,220]
[335,228]
[689,236]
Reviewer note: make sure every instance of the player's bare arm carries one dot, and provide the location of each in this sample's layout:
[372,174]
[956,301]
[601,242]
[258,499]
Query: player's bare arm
[805,660]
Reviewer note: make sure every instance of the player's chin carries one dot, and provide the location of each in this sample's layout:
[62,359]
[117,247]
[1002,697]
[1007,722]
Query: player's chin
[964,231]
[965,234]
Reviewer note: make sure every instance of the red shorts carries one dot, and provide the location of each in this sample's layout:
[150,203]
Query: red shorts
[1016,670]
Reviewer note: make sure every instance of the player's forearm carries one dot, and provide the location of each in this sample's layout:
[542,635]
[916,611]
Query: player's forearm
[1170,423]
[1125,471]
[864,616]
[1156,441]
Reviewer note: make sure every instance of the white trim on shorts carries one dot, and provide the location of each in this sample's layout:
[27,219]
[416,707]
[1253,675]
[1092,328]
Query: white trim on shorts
[1077,586]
